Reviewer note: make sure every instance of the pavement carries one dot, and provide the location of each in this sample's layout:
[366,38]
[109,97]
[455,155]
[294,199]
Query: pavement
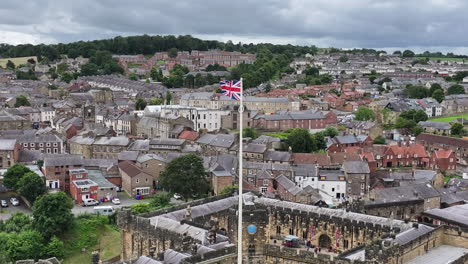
[5,213]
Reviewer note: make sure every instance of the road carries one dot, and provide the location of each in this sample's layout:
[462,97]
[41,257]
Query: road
[6,213]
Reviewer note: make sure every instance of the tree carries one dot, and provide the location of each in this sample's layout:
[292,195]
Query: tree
[343,59]
[140,104]
[52,214]
[22,101]
[89,69]
[268,87]
[397,52]
[311,71]
[364,114]
[28,244]
[300,141]
[156,101]
[31,186]
[168,98]
[457,129]
[434,87]
[249,132]
[54,248]
[160,200]
[182,170]
[417,130]
[330,132]
[133,77]
[62,68]
[379,140]
[156,74]
[417,91]
[18,222]
[438,95]
[456,89]
[215,67]
[372,79]
[67,77]
[172,52]
[229,189]
[10,65]
[414,115]
[13,175]
[408,54]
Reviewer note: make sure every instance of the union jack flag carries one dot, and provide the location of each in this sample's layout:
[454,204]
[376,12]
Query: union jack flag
[232,89]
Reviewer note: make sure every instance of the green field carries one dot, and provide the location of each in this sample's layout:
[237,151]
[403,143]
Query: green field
[446,59]
[91,233]
[447,119]
[17,61]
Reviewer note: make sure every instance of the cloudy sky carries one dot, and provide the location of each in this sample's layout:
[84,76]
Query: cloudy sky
[389,24]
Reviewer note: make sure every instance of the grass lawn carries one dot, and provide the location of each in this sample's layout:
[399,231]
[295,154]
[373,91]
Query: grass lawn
[281,135]
[446,59]
[447,119]
[91,233]
[447,178]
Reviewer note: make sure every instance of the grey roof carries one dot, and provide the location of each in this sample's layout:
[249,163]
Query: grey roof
[436,125]
[167,141]
[440,254]
[113,141]
[356,167]
[7,144]
[142,144]
[256,148]
[146,157]
[265,139]
[218,140]
[146,260]
[27,156]
[65,159]
[458,183]
[98,177]
[288,185]
[174,257]
[128,155]
[411,234]
[457,214]
[282,156]
[348,139]
[406,193]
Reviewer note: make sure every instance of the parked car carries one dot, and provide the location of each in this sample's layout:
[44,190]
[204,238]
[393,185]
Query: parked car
[116,201]
[4,203]
[177,196]
[14,201]
[90,202]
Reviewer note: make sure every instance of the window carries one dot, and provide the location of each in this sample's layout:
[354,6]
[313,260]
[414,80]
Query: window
[32,144]
[451,159]
[362,186]
[137,180]
[41,145]
[363,177]
[25,144]
[266,182]
[263,189]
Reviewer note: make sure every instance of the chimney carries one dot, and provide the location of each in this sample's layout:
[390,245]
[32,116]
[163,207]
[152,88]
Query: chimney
[399,143]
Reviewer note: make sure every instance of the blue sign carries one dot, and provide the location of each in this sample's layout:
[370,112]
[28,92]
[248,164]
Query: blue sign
[252,229]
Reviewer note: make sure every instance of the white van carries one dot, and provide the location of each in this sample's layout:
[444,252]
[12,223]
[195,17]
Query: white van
[104,210]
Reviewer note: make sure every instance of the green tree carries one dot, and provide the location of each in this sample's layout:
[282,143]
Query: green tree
[182,170]
[456,89]
[31,186]
[62,68]
[229,189]
[89,69]
[161,200]
[156,74]
[417,130]
[55,248]
[10,65]
[408,54]
[141,208]
[140,104]
[249,132]
[438,95]
[215,67]
[22,100]
[379,140]
[330,132]
[52,214]
[300,141]
[311,71]
[414,115]
[172,52]
[343,59]
[434,87]
[18,222]
[457,129]
[364,114]
[156,101]
[417,91]
[13,175]
[28,244]
[67,77]
[397,52]
[133,77]
[168,98]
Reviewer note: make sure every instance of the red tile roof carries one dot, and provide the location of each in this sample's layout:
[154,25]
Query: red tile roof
[129,168]
[189,135]
[443,153]
[311,158]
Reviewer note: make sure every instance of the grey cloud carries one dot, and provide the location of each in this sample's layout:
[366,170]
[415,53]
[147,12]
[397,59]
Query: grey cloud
[341,23]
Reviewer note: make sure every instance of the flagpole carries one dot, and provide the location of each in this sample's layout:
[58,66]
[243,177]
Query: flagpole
[239,220]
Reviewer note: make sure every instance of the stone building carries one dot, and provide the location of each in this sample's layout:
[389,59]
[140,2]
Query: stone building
[134,180]
[169,126]
[9,151]
[13,122]
[207,230]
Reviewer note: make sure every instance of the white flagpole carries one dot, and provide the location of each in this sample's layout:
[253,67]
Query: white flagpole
[239,223]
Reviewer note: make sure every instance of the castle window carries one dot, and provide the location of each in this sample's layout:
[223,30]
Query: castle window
[278,230]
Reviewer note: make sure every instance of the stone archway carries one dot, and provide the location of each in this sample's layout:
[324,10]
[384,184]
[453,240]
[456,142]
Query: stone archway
[324,241]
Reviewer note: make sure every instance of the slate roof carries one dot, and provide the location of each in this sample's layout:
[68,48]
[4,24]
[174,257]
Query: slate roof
[282,156]
[150,156]
[406,193]
[449,141]
[255,148]
[64,159]
[457,214]
[7,144]
[129,168]
[128,155]
[290,186]
[356,167]
[436,125]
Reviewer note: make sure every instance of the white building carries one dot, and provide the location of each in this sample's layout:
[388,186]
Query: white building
[330,183]
[202,118]
[47,114]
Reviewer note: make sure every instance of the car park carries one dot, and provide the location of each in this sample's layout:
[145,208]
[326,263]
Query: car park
[90,202]
[4,203]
